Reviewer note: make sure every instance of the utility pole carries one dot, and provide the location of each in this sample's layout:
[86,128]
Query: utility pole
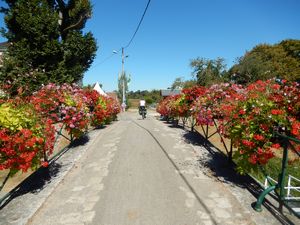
[123,84]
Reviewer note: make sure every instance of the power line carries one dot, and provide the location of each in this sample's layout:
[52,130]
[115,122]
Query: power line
[138,25]
[105,59]
[136,30]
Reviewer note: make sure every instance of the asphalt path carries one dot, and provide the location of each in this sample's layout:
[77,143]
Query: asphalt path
[144,172]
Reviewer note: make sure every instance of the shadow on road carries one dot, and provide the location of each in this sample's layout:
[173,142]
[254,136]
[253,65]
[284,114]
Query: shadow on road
[216,165]
[201,202]
[81,141]
[34,183]
[38,180]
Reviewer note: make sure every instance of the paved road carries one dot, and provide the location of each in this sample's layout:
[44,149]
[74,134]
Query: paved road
[143,172]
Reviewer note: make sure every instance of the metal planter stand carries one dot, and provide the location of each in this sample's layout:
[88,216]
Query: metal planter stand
[283,201]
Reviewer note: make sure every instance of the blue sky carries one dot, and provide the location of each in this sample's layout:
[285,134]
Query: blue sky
[175,31]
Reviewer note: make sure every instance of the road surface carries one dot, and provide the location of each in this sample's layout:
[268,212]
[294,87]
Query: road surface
[143,172]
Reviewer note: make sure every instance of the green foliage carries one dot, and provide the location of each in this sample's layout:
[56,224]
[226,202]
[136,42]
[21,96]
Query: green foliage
[14,119]
[179,83]
[148,100]
[123,79]
[267,61]
[149,96]
[273,169]
[47,44]
[208,71]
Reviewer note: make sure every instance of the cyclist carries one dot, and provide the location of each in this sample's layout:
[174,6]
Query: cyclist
[142,107]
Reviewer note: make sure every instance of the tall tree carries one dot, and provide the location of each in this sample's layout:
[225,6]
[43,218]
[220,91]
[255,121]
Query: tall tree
[180,83]
[267,61]
[123,83]
[47,42]
[177,83]
[208,71]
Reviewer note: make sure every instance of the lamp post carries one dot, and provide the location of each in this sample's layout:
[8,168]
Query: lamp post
[123,80]
[123,84]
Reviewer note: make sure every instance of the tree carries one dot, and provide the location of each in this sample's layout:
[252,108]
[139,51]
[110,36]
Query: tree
[208,71]
[268,61]
[179,83]
[47,43]
[123,81]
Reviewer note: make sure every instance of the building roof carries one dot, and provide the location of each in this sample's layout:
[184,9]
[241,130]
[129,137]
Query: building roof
[168,92]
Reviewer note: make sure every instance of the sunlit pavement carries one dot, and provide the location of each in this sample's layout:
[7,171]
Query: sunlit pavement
[135,172]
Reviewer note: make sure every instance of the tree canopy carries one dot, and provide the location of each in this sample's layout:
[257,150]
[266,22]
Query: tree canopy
[266,61]
[208,71]
[123,79]
[180,83]
[150,97]
[47,43]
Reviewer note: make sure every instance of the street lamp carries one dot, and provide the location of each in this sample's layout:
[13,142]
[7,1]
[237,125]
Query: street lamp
[123,84]
[122,74]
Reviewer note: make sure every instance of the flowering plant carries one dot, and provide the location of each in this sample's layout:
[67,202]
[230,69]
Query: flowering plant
[187,98]
[48,101]
[103,109]
[164,106]
[25,137]
[251,126]
[215,101]
[74,110]
[113,108]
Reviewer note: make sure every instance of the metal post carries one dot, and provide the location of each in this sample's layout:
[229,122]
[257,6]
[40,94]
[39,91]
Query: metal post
[124,98]
[262,196]
[281,182]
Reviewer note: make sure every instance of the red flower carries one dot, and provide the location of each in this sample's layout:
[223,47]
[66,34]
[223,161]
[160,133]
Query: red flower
[45,164]
[296,128]
[277,146]
[26,133]
[248,143]
[258,137]
[253,159]
[277,111]
[242,112]
[264,127]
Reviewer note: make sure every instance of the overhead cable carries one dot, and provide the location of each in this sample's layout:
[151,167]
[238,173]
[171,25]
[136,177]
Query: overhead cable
[141,20]
[111,55]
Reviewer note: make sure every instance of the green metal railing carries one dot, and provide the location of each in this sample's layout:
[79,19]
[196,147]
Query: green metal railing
[279,187]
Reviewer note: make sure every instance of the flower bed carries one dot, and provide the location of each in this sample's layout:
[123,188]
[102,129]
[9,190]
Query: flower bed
[246,115]
[27,131]
[26,138]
